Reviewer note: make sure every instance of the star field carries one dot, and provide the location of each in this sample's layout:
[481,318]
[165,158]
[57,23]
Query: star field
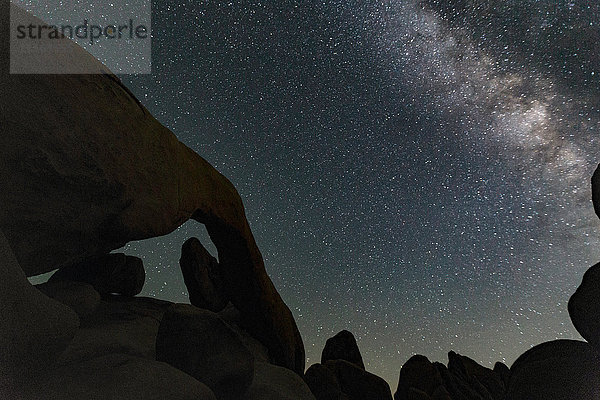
[414,172]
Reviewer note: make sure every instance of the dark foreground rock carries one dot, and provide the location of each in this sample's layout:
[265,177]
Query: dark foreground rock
[112,273]
[275,383]
[357,383]
[201,344]
[503,372]
[118,325]
[460,387]
[232,317]
[34,330]
[584,306]
[342,346]
[420,374]
[84,175]
[596,190]
[202,276]
[484,380]
[80,296]
[557,370]
[323,383]
[118,377]
[462,379]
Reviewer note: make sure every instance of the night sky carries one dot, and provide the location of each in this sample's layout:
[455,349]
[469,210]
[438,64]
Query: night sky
[414,172]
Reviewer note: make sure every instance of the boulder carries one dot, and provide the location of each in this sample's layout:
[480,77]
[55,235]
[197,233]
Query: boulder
[275,383]
[202,276]
[84,175]
[584,306]
[441,394]
[418,373]
[323,384]
[202,345]
[342,346]
[503,372]
[80,296]
[416,394]
[477,375]
[118,377]
[557,370]
[456,386]
[118,325]
[596,190]
[35,329]
[112,273]
[232,317]
[357,383]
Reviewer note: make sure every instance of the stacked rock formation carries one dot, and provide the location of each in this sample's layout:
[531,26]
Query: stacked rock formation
[463,378]
[341,375]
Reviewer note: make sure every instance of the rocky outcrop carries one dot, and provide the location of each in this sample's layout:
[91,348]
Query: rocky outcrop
[462,379]
[35,329]
[458,388]
[418,373]
[81,297]
[596,191]
[342,346]
[503,372]
[358,384]
[118,377]
[118,325]
[232,317]
[341,374]
[323,383]
[201,344]
[109,274]
[557,370]
[93,170]
[584,306]
[202,277]
[275,383]
[486,382]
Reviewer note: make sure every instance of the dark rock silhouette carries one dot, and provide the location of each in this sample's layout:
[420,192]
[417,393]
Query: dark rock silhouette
[80,296]
[503,372]
[485,380]
[596,190]
[199,343]
[323,383]
[341,374]
[275,383]
[358,384]
[202,276]
[457,387]
[85,175]
[342,346]
[35,329]
[416,394]
[584,306]
[118,325]
[117,377]
[462,379]
[418,373]
[112,273]
[233,319]
[557,370]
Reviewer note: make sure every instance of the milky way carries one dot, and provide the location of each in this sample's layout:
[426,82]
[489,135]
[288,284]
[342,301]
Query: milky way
[414,172]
